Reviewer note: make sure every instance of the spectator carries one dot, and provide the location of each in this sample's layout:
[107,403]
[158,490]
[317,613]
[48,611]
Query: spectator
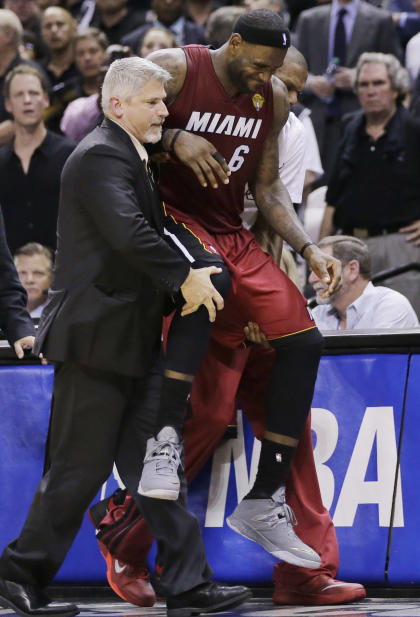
[14,319]
[169,14]
[272,5]
[10,39]
[343,29]
[199,11]
[90,45]
[406,18]
[374,192]
[84,113]
[28,13]
[358,304]
[30,167]
[34,266]
[412,52]
[155,38]
[58,31]
[117,19]
[220,23]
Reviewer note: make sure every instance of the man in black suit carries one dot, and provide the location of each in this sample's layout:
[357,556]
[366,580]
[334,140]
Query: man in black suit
[102,331]
[341,30]
[14,318]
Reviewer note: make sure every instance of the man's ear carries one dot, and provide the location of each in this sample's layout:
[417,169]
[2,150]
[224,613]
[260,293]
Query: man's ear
[354,269]
[116,106]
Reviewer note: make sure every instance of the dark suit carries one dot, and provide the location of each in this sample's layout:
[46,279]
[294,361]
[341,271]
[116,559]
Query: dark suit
[192,34]
[102,329]
[373,30]
[14,318]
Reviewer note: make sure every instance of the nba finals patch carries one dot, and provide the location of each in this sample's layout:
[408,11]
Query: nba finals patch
[258,101]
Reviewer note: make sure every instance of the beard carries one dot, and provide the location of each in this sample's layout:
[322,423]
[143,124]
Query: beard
[235,76]
[329,299]
[153,135]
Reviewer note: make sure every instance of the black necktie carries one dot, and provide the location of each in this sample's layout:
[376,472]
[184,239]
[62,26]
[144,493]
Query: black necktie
[340,43]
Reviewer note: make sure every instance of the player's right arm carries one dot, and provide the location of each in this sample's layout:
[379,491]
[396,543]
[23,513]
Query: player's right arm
[194,151]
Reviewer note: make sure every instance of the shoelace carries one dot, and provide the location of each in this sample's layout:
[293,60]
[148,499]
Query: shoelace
[170,459]
[275,516]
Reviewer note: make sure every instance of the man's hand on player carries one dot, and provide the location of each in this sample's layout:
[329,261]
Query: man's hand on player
[326,267]
[201,156]
[198,289]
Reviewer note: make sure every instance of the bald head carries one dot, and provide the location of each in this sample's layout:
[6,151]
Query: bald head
[294,56]
[58,28]
[293,73]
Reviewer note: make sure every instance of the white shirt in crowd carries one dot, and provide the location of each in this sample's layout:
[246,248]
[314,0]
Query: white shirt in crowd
[377,308]
[412,57]
[36,313]
[292,165]
[312,157]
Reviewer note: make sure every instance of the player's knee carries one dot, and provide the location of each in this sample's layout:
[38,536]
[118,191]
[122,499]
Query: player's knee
[222,281]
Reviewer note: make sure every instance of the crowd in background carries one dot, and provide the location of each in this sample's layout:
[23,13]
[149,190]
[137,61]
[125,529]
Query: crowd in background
[365,184]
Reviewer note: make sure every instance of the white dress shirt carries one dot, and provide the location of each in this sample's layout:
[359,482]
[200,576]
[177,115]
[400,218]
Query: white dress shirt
[376,308]
[292,147]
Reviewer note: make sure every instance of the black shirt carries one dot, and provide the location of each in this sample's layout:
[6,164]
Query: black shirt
[376,184]
[62,91]
[30,201]
[132,20]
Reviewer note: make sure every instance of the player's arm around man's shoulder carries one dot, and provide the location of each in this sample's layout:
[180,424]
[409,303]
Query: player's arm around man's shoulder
[273,199]
[192,150]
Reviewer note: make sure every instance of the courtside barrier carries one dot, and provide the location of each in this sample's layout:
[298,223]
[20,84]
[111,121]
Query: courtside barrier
[365,421]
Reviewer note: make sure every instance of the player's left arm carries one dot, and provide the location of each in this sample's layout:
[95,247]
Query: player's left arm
[274,203]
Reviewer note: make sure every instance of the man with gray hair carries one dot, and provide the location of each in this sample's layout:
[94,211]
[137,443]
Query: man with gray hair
[102,331]
[358,304]
[374,189]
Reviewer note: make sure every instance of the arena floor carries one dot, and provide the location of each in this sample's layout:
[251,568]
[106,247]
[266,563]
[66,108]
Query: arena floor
[263,607]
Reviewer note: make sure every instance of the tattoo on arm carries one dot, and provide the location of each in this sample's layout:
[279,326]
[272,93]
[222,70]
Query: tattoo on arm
[271,196]
[175,62]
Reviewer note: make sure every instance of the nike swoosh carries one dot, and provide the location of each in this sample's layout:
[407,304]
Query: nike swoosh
[118,568]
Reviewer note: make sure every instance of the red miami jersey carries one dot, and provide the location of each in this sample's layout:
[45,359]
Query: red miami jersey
[236,126]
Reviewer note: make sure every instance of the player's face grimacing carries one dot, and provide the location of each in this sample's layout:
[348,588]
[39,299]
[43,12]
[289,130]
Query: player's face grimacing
[251,66]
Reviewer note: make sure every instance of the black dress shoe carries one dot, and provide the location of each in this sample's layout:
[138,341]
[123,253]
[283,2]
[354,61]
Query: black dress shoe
[31,601]
[206,598]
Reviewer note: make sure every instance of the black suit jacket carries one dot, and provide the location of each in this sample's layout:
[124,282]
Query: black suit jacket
[373,30]
[14,318]
[113,269]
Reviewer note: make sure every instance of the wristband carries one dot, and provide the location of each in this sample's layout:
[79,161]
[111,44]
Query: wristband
[304,247]
[173,140]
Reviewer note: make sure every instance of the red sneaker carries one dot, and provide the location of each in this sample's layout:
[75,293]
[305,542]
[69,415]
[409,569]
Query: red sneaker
[317,591]
[130,583]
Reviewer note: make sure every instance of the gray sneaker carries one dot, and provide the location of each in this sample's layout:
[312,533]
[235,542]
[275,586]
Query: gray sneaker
[159,478]
[270,522]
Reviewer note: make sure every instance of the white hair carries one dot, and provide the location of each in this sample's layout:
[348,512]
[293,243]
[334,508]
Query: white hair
[127,76]
[10,21]
[397,74]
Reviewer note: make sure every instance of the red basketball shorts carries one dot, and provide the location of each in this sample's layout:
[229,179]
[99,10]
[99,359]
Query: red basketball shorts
[261,292]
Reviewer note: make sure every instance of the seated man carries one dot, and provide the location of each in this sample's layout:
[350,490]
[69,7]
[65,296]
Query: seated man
[33,263]
[358,304]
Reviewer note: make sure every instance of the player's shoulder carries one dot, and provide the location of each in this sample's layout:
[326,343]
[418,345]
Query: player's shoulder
[175,62]
[173,59]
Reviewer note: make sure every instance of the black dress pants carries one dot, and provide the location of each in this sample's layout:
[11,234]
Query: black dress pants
[98,418]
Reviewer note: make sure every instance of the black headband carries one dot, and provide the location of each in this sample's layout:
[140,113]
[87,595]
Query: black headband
[258,36]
